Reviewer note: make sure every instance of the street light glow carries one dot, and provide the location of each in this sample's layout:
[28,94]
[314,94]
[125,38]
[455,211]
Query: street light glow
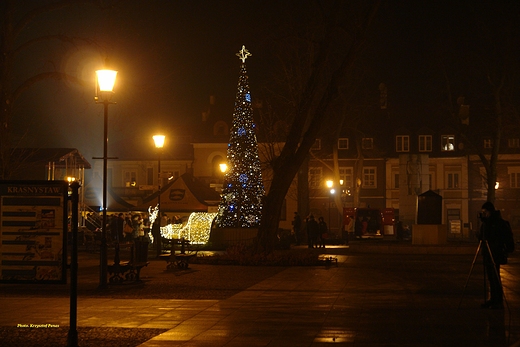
[106,80]
[159,141]
[329,183]
[223,167]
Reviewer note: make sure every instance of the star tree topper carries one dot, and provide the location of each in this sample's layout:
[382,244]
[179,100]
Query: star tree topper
[243,54]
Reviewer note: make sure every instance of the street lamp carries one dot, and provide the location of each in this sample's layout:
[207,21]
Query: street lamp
[331,192]
[223,167]
[104,91]
[159,144]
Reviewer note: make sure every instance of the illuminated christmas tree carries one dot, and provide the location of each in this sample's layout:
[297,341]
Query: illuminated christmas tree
[241,202]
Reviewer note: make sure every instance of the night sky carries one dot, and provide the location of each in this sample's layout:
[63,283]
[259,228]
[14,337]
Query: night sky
[172,55]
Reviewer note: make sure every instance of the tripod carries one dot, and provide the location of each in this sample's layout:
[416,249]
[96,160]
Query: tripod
[496,273]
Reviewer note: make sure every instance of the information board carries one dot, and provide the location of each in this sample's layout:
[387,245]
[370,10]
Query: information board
[33,231]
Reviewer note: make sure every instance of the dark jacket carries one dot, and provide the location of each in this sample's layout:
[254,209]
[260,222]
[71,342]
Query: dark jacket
[496,232]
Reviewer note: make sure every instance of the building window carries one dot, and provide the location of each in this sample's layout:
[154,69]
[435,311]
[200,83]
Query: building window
[345,174]
[402,143]
[130,178]
[395,180]
[514,176]
[369,177]
[448,143]
[315,177]
[367,143]
[343,143]
[452,180]
[488,143]
[317,145]
[425,143]
[513,143]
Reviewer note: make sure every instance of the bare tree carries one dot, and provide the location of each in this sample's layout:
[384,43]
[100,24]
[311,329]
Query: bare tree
[331,53]
[15,42]
[489,110]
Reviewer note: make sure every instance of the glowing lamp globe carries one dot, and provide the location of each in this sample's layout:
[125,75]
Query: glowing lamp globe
[159,141]
[106,80]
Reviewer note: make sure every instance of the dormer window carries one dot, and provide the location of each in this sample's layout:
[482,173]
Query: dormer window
[425,143]
[513,143]
[402,143]
[343,143]
[448,143]
[367,143]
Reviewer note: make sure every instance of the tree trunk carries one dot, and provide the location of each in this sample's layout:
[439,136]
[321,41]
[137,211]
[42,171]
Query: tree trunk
[273,202]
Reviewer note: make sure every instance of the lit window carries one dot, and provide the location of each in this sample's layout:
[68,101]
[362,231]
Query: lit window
[488,143]
[130,178]
[345,174]
[448,143]
[369,177]
[367,143]
[425,143]
[317,145]
[402,143]
[343,143]
[314,177]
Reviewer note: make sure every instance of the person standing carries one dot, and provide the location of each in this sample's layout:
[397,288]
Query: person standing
[297,227]
[312,231]
[494,234]
[323,231]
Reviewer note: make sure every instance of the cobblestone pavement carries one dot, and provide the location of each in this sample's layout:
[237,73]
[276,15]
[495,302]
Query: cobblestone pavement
[369,299]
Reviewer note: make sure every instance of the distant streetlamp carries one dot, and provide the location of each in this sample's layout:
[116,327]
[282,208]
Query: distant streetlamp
[104,91]
[223,167]
[159,144]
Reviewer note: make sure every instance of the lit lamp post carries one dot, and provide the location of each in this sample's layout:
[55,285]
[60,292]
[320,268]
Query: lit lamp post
[104,92]
[223,169]
[331,192]
[159,144]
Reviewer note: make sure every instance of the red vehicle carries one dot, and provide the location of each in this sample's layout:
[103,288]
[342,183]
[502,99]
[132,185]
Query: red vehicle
[369,222]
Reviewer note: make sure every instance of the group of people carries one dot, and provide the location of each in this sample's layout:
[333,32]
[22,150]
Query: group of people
[124,227]
[316,231]
[121,227]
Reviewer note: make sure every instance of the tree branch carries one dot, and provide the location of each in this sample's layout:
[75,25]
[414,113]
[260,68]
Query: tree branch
[62,38]
[55,75]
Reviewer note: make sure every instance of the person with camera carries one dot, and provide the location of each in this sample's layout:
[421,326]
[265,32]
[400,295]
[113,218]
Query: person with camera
[495,235]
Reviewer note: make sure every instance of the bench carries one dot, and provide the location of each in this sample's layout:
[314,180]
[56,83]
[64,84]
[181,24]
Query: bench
[128,271]
[328,260]
[179,260]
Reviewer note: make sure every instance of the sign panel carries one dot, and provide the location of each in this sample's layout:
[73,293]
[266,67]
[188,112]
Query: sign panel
[33,231]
